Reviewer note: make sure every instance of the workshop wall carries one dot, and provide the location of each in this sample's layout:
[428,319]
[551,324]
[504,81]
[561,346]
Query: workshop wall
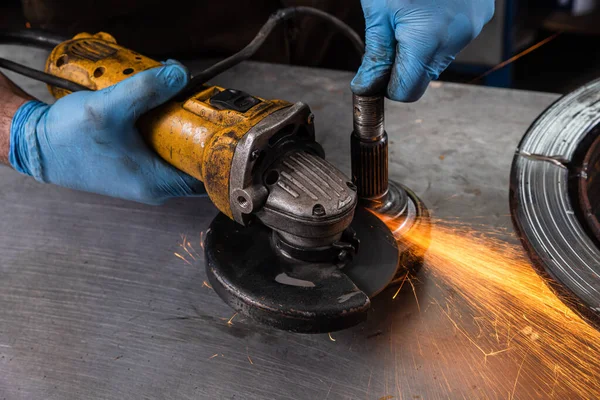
[193,29]
[215,29]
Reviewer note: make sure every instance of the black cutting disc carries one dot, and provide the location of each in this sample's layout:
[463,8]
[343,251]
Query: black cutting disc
[547,181]
[255,280]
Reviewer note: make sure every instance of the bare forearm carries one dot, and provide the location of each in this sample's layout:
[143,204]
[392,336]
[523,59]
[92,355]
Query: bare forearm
[11,98]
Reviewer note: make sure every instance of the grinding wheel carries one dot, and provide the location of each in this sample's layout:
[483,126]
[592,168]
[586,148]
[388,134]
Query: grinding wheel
[253,278]
[251,275]
[554,197]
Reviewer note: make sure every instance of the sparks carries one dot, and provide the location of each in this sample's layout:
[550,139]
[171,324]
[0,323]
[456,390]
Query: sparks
[205,284]
[514,58]
[512,395]
[182,257]
[189,245]
[247,354]
[189,254]
[231,319]
[184,245]
[495,300]
[400,288]
[331,338]
[414,292]
[213,356]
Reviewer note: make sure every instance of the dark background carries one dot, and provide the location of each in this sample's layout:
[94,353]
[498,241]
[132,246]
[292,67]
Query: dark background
[215,29]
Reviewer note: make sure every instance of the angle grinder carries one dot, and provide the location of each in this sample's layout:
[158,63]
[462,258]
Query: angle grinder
[297,244]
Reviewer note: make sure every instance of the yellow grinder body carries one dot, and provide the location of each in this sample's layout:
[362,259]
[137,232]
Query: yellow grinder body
[257,158]
[194,134]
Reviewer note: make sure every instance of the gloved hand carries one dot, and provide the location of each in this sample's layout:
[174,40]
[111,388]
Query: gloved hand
[410,42]
[88,140]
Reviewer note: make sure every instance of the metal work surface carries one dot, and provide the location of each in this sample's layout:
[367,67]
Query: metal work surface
[95,304]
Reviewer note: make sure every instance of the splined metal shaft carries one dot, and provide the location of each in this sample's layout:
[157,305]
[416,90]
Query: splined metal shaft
[369,149]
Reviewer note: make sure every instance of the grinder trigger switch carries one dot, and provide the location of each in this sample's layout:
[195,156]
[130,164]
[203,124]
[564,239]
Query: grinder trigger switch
[231,99]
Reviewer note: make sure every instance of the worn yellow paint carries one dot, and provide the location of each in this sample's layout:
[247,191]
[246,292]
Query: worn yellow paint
[188,133]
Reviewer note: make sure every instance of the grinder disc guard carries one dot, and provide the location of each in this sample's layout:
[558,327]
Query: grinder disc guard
[317,269]
[254,278]
[555,197]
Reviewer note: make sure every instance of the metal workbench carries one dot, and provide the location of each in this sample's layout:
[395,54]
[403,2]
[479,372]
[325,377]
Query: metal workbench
[95,305]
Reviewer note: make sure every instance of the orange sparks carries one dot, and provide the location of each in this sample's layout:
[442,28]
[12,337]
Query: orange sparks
[182,257]
[231,319]
[512,395]
[189,254]
[205,284]
[189,250]
[400,288]
[503,308]
[249,359]
[331,338]
[189,245]
[213,356]
[414,292]
[185,244]
[514,58]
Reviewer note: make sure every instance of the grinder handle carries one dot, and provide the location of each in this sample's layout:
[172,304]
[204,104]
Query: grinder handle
[197,134]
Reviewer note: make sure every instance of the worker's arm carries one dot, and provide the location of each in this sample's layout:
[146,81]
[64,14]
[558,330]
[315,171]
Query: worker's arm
[410,42]
[11,98]
[88,140]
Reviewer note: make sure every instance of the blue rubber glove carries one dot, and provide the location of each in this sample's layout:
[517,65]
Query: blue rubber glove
[410,42]
[88,140]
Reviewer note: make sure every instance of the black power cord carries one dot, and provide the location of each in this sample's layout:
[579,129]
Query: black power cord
[35,38]
[41,76]
[31,37]
[49,41]
[273,21]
